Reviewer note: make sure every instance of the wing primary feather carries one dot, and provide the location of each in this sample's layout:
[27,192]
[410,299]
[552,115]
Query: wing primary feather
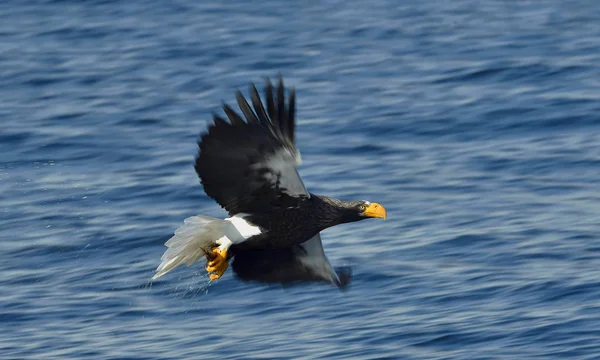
[272,110]
[292,115]
[281,115]
[246,110]
[219,121]
[245,163]
[232,115]
[270,99]
[260,109]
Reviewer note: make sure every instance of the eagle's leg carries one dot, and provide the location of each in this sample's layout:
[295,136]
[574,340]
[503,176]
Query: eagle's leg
[218,263]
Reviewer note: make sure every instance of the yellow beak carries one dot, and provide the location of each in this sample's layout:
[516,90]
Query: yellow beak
[375,210]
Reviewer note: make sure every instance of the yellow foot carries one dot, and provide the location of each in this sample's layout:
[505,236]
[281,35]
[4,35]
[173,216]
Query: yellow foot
[217,264]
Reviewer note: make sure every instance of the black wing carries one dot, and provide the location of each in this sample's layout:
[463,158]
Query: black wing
[305,262]
[249,164]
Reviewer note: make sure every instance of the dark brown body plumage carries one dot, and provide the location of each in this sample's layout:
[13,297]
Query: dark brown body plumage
[304,218]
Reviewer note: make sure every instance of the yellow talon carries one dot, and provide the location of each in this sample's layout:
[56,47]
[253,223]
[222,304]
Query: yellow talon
[218,264]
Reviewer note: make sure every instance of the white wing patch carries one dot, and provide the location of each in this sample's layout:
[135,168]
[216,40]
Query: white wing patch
[236,230]
[244,229]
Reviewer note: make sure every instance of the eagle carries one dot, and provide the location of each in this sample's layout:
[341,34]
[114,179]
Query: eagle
[247,164]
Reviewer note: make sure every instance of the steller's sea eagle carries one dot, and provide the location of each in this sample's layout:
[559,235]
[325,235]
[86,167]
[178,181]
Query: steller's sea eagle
[248,165]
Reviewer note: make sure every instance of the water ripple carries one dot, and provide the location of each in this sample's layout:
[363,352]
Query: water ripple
[474,122]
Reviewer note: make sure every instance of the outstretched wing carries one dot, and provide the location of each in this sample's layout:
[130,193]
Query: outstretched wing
[249,164]
[305,262]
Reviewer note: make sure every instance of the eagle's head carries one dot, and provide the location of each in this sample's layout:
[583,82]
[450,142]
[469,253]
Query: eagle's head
[361,210]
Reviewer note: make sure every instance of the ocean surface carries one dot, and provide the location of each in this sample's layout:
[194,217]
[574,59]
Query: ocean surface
[475,123]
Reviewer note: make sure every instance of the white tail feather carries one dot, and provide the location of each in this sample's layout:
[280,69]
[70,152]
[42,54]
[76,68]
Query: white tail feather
[190,242]
[199,234]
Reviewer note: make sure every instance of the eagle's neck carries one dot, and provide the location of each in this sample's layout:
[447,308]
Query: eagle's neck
[328,212]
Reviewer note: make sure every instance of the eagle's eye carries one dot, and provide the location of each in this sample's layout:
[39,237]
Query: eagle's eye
[362,207]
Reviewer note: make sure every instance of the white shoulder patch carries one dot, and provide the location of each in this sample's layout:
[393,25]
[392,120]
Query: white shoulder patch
[283,165]
[282,160]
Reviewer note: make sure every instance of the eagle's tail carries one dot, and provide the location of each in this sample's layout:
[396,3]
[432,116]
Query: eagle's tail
[191,241]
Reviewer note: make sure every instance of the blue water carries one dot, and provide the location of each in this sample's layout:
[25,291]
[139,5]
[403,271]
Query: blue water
[476,123]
